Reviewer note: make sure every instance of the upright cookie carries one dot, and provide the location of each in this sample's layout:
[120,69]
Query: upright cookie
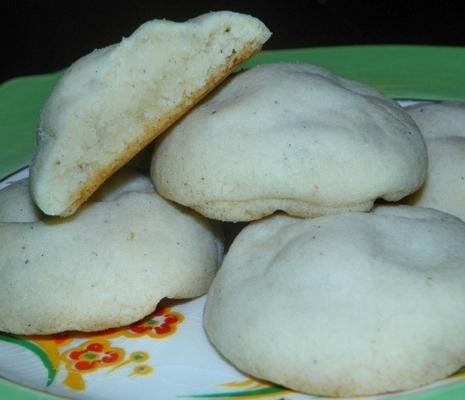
[114,101]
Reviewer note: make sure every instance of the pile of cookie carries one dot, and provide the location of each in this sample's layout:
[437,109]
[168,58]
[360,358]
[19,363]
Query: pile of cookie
[370,292]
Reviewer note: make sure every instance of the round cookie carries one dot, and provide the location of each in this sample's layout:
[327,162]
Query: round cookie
[344,305]
[290,137]
[108,265]
[437,120]
[444,188]
[443,126]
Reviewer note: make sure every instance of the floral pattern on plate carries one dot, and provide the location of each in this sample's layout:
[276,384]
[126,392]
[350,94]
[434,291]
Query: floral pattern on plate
[68,351]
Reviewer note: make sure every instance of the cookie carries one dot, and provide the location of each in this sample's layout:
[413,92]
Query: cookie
[443,126]
[344,305]
[290,137]
[106,266]
[440,119]
[111,103]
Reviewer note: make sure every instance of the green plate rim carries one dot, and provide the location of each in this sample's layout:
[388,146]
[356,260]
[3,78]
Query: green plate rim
[399,71]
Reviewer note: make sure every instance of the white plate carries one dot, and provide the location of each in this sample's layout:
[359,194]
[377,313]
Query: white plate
[165,356]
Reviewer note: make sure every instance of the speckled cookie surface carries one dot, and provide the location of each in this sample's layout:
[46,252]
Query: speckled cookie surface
[345,305]
[290,137]
[108,265]
[111,103]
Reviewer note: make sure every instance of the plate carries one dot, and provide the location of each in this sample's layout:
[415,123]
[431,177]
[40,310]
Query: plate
[167,355]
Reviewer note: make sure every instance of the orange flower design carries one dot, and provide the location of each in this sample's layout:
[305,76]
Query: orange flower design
[92,355]
[95,350]
[162,323]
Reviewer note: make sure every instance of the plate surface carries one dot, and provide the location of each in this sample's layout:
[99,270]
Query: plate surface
[167,355]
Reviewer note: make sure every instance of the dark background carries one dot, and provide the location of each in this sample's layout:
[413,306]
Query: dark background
[44,36]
